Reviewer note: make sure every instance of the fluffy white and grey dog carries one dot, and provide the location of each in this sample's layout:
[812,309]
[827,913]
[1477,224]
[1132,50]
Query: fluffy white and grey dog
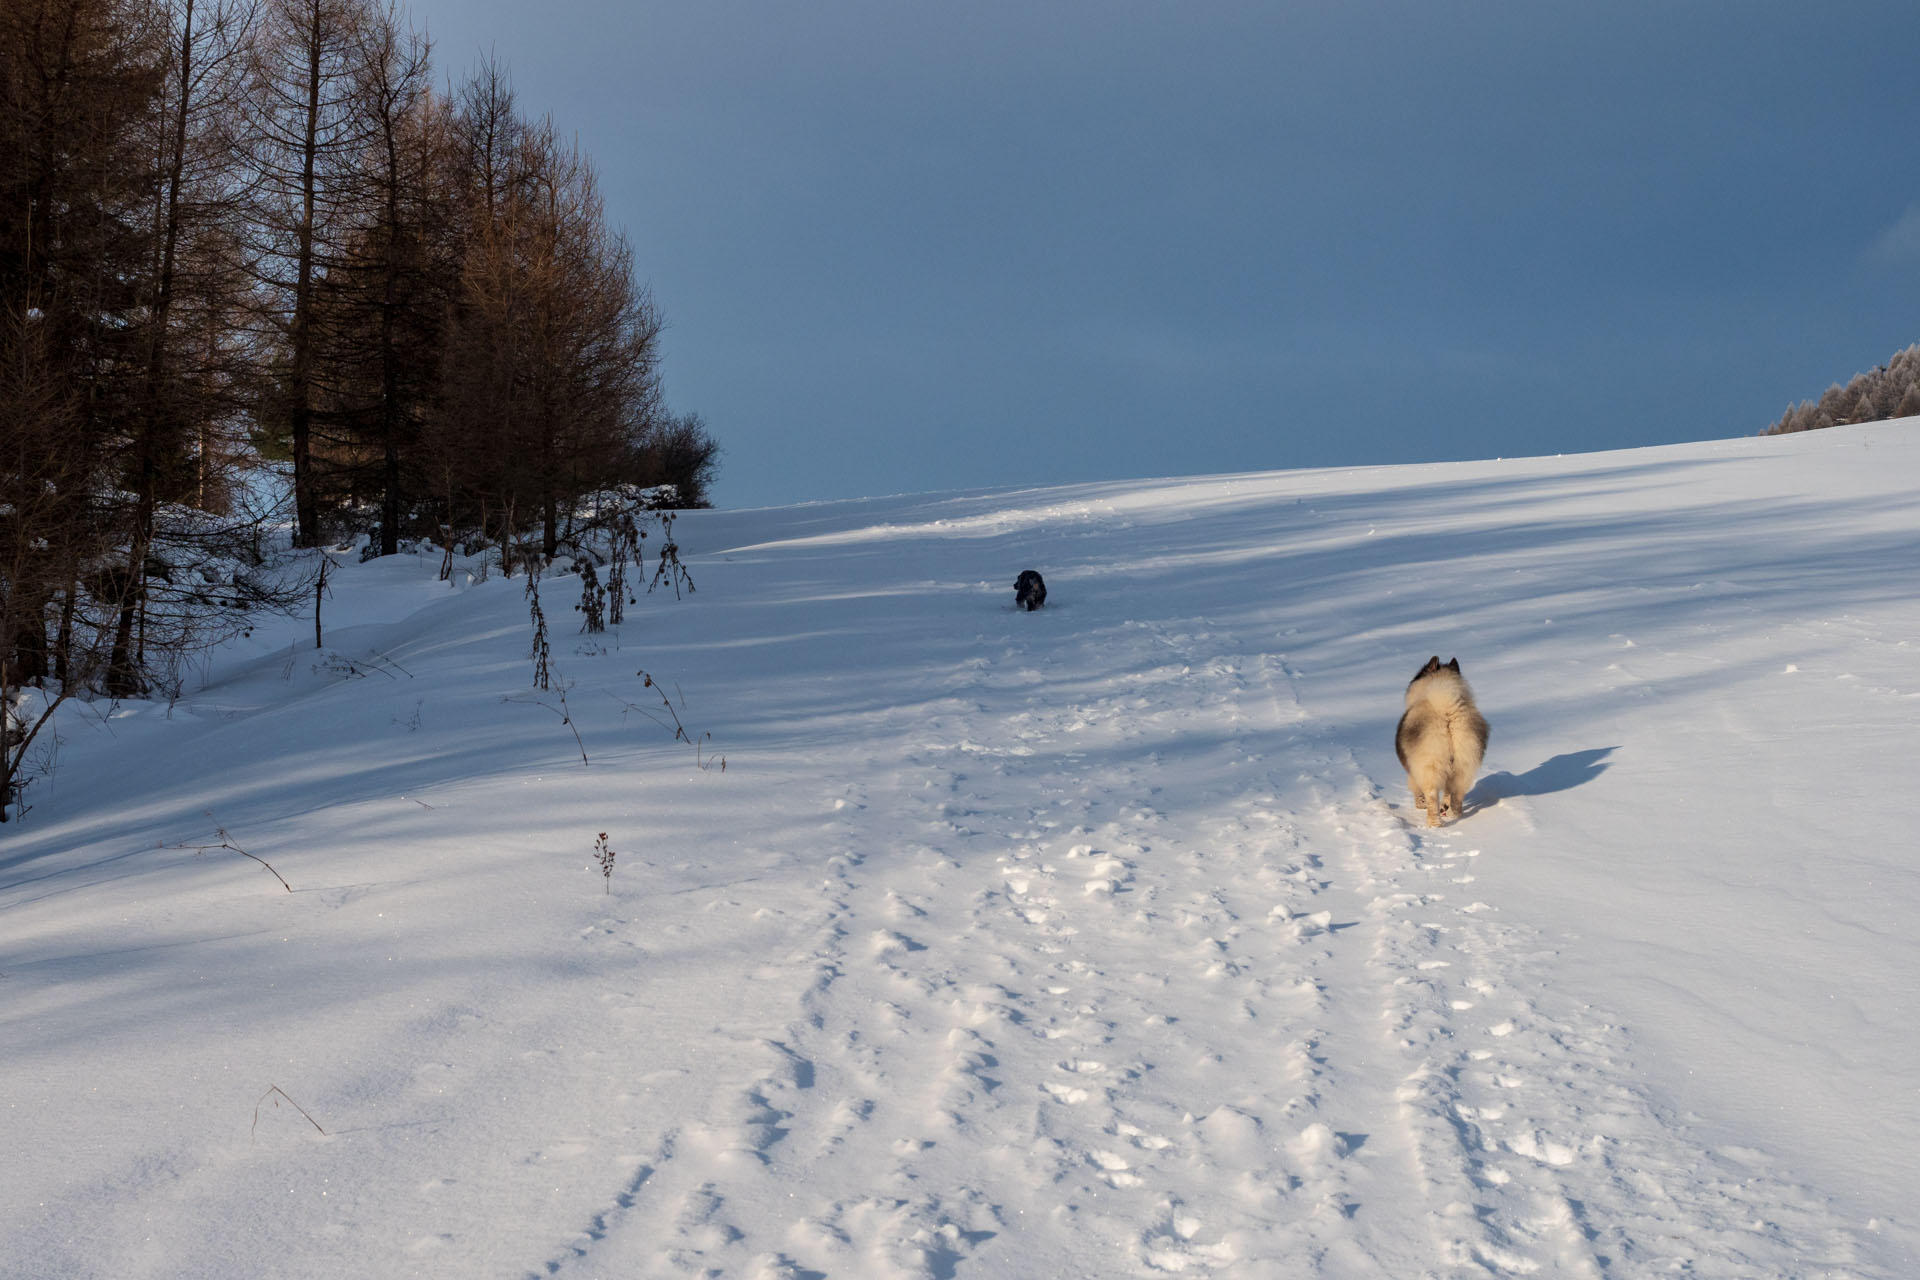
[1441,739]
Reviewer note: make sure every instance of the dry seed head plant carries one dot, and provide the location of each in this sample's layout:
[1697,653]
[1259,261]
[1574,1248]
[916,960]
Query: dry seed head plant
[604,854]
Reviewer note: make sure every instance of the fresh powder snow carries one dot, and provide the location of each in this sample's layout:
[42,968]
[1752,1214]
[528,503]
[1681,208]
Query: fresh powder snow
[958,941]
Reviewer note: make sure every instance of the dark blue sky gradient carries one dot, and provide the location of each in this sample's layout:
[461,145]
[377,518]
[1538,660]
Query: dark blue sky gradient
[905,245]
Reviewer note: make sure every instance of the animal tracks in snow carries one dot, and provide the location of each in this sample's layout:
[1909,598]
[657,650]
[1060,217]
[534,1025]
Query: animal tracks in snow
[1056,1022]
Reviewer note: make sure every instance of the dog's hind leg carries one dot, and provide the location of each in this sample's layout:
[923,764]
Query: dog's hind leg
[1426,782]
[1457,787]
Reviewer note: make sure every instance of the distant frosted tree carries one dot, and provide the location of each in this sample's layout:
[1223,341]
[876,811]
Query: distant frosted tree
[1890,391]
[1910,402]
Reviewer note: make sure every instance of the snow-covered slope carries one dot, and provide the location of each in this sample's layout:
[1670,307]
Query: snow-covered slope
[1091,942]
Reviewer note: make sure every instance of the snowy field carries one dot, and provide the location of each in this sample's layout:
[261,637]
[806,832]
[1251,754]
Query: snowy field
[1097,942]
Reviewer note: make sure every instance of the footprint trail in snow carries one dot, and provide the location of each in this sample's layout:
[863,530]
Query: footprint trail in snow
[1054,1024]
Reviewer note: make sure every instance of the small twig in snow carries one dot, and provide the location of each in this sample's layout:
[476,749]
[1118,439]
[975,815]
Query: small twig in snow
[226,842]
[680,733]
[271,1090]
[563,711]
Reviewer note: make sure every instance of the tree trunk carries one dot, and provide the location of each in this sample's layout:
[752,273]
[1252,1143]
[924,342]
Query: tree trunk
[306,503]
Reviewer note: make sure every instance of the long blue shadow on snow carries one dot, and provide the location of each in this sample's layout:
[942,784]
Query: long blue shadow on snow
[1563,772]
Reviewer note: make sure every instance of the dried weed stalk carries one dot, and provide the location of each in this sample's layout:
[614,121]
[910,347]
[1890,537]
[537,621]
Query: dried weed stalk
[604,853]
[701,745]
[271,1090]
[562,710]
[226,842]
[667,565]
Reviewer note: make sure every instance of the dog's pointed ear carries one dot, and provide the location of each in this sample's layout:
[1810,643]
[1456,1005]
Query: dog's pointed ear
[1453,665]
[1433,665]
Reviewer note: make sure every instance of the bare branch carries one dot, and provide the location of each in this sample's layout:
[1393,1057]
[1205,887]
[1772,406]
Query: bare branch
[271,1090]
[226,842]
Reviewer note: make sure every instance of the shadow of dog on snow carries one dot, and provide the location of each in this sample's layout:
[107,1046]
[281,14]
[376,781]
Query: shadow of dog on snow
[1562,773]
[1029,590]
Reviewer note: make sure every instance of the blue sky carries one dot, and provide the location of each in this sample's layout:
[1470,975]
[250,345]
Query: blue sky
[906,245]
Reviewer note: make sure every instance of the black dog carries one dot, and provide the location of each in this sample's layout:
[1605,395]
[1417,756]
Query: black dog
[1029,591]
